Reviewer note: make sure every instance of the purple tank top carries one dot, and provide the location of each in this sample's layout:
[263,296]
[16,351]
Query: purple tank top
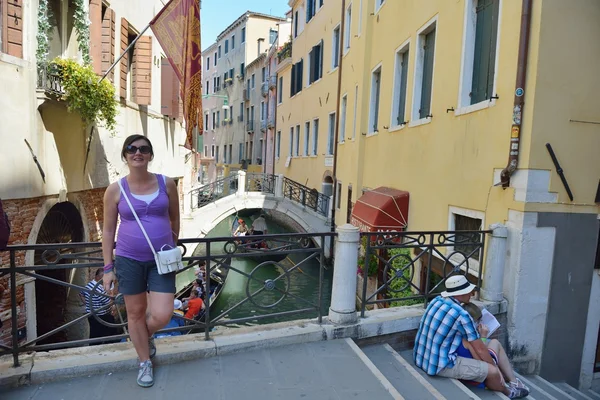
[154,216]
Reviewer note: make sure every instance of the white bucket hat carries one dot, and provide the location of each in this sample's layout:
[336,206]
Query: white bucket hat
[457,285]
[177,304]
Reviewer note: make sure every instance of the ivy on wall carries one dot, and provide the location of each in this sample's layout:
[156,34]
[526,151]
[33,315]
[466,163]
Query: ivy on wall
[81,23]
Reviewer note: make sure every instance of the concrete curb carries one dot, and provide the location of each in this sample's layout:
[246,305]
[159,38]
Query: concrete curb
[41,367]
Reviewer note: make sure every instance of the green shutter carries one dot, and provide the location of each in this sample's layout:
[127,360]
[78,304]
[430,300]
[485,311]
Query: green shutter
[484,57]
[425,109]
[293,81]
[299,75]
[403,77]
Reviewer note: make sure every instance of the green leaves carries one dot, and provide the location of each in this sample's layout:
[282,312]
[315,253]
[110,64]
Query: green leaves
[93,100]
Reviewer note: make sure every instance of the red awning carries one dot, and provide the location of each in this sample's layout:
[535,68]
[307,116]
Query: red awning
[381,210]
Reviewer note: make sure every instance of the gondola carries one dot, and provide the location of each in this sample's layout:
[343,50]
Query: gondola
[274,250]
[217,283]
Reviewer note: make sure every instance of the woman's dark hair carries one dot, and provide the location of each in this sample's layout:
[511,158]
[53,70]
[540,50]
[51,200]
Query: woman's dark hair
[131,139]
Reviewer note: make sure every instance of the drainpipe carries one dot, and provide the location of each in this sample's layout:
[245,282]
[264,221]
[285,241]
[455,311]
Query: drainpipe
[519,101]
[337,114]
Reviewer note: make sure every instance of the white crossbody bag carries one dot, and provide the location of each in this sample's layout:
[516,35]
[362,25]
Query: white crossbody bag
[167,261]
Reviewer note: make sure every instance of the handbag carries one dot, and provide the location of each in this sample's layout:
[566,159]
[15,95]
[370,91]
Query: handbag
[167,261]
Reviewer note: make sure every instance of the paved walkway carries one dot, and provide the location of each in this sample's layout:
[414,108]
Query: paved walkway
[311,371]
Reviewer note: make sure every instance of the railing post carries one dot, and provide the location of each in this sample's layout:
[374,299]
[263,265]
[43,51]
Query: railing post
[343,295]
[279,186]
[493,277]
[241,183]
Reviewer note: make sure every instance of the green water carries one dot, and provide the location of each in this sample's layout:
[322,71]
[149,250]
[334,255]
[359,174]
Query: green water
[300,283]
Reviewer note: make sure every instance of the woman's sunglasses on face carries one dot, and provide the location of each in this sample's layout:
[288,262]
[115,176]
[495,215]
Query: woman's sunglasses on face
[131,149]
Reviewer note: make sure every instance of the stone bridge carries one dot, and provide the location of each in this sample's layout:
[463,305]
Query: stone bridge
[287,202]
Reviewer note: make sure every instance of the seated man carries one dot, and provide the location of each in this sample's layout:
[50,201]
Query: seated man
[441,331]
[193,304]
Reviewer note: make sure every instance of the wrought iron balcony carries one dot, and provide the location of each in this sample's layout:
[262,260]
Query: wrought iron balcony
[49,80]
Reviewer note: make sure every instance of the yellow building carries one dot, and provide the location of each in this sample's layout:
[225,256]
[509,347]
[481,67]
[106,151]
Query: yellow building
[429,105]
[306,116]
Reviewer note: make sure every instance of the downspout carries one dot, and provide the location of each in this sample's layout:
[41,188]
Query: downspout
[337,114]
[519,100]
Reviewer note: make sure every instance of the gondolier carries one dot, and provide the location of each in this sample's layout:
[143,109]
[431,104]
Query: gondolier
[259,226]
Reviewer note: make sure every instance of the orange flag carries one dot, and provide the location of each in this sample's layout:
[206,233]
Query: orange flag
[177,29]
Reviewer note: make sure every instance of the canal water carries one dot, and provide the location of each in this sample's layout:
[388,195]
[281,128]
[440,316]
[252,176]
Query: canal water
[302,283]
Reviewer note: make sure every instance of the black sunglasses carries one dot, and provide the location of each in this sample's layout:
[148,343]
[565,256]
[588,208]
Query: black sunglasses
[131,149]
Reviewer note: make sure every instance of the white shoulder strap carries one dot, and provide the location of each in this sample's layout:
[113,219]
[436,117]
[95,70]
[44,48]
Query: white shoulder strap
[136,216]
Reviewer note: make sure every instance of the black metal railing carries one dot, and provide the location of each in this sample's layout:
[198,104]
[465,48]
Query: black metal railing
[269,286]
[306,196]
[49,79]
[264,183]
[214,191]
[407,268]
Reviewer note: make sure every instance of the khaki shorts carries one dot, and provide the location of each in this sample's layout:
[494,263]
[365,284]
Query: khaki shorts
[466,369]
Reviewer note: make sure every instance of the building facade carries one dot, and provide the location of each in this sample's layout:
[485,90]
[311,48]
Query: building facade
[428,105]
[225,80]
[57,168]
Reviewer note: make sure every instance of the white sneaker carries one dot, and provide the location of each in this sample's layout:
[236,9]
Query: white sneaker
[146,374]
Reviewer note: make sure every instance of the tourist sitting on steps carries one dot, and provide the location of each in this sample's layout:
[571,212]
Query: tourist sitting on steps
[441,331]
[494,347]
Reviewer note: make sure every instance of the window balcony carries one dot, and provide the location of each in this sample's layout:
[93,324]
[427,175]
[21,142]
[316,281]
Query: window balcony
[263,125]
[49,80]
[246,94]
[273,82]
[264,88]
[250,126]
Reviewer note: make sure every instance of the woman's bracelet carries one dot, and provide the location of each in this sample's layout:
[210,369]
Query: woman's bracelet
[109,268]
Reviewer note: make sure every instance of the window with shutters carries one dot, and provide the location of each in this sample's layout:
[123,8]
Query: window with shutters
[291,141]
[230,154]
[344,107]
[423,82]
[310,9]
[374,102]
[272,36]
[226,46]
[331,134]
[253,80]
[242,70]
[262,110]
[243,35]
[278,145]
[232,42]
[315,63]
[306,138]
[136,66]
[348,28]
[212,151]
[11,27]
[207,63]
[296,24]
[479,54]
[219,51]
[297,146]
[263,74]
[108,42]
[241,117]
[280,90]
[169,90]
[400,83]
[335,48]
[205,151]
[240,152]
[296,78]
[215,59]
[315,137]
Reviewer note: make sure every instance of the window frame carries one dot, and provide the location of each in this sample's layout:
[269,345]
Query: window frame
[343,115]
[347,40]
[315,137]
[335,47]
[331,125]
[375,101]
[400,75]
[467,60]
[307,129]
[278,145]
[419,60]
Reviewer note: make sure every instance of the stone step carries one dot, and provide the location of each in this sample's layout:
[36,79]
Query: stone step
[536,391]
[450,388]
[551,391]
[571,391]
[407,381]
[592,394]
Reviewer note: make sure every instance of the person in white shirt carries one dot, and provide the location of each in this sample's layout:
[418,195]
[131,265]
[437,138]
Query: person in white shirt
[259,226]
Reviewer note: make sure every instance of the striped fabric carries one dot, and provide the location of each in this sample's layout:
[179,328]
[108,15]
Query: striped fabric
[97,301]
[442,328]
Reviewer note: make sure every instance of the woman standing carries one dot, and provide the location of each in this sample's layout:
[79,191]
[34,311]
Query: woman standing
[155,200]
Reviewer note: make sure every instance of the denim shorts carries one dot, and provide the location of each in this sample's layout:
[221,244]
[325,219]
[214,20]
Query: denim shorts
[137,277]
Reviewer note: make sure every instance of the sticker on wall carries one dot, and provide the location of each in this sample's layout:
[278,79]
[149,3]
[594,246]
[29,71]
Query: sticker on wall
[519,92]
[517,115]
[515,131]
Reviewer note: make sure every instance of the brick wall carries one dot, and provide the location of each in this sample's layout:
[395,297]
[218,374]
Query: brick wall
[22,214]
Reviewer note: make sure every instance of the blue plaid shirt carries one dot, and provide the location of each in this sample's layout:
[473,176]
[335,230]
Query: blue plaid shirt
[442,328]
